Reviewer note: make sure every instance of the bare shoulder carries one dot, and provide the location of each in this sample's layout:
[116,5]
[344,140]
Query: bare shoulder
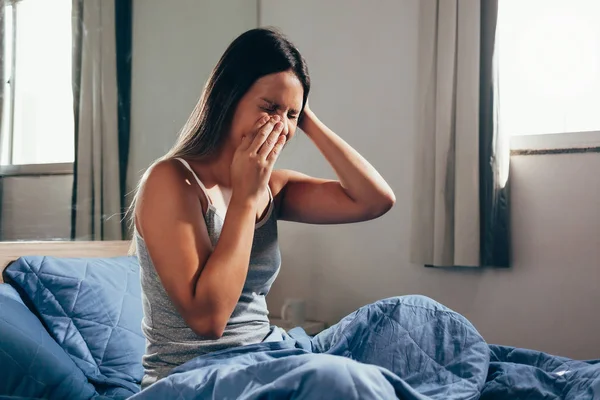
[165,187]
[278,180]
[165,171]
[281,177]
[286,180]
[164,178]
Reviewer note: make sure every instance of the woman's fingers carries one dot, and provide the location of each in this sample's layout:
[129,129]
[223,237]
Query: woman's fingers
[262,135]
[274,154]
[267,146]
[247,141]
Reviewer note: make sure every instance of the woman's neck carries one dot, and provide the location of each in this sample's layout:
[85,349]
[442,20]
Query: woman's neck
[215,169]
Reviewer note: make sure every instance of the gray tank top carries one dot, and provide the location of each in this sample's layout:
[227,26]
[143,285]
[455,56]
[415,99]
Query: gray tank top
[169,341]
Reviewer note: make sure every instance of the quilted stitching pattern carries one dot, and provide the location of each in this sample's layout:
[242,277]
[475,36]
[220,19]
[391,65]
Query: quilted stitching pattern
[92,308]
[32,364]
[432,348]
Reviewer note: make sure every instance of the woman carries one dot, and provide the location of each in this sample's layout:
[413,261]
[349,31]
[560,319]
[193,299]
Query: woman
[206,213]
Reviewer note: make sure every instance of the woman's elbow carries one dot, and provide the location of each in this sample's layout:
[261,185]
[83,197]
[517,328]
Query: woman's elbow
[207,328]
[382,205]
[389,199]
[211,332]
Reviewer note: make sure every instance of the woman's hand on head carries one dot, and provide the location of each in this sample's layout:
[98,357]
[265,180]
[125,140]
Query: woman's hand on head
[255,157]
[306,114]
[306,106]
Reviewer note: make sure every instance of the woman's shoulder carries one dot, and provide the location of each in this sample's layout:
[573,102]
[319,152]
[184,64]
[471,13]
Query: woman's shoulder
[281,177]
[277,182]
[165,190]
[163,171]
[166,176]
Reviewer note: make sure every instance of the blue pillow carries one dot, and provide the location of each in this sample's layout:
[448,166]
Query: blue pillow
[92,307]
[32,364]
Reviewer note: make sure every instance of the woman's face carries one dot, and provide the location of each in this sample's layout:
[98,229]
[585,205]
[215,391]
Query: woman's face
[275,94]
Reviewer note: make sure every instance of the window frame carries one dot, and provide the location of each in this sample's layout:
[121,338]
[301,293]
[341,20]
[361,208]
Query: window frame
[555,143]
[10,80]
[36,169]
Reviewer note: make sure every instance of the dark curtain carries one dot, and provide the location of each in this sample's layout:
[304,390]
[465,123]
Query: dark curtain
[77,28]
[124,23]
[493,153]
[2,80]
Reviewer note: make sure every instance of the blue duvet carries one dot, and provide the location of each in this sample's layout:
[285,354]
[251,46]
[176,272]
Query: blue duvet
[408,347]
[528,374]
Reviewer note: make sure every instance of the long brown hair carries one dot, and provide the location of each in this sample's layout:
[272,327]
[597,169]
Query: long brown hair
[252,55]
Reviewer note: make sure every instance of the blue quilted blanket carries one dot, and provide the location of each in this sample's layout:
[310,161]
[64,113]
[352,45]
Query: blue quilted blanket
[408,347]
[405,347]
[528,374]
[92,309]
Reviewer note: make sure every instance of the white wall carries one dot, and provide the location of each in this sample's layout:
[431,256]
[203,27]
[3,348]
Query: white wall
[36,207]
[362,58]
[175,47]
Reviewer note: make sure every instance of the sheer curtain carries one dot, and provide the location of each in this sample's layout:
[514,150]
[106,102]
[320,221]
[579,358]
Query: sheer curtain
[460,193]
[101,85]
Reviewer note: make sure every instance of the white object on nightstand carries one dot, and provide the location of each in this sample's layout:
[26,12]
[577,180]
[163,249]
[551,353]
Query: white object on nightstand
[293,311]
[310,327]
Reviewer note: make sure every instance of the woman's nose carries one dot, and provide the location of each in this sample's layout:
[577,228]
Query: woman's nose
[286,128]
[286,124]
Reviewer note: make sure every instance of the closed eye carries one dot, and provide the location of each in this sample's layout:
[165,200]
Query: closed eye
[269,109]
[272,110]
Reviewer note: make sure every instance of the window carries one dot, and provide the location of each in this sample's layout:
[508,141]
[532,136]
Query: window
[37,120]
[549,66]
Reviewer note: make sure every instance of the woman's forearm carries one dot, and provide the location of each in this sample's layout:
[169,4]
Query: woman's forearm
[359,179]
[222,279]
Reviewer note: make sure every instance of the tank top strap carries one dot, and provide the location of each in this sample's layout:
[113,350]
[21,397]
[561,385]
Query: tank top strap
[188,166]
[270,193]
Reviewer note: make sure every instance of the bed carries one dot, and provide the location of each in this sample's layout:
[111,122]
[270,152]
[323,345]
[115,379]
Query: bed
[70,316]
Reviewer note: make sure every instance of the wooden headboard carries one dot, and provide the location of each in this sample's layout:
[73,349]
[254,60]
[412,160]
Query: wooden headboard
[10,251]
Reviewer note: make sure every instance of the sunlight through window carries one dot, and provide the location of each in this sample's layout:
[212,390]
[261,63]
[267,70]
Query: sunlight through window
[549,66]
[38,127]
